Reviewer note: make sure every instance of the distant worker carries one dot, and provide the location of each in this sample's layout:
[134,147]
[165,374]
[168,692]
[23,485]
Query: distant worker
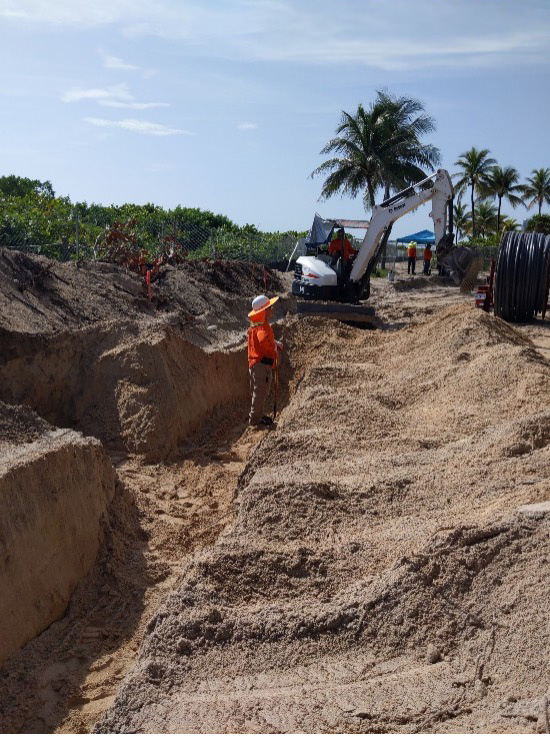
[427,259]
[340,246]
[411,254]
[263,353]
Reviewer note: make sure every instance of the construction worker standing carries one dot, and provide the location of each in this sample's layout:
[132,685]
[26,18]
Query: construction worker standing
[411,254]
[427,259]
[263,353]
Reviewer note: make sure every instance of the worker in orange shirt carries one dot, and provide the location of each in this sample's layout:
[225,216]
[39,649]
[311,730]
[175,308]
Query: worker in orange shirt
[411,254]
[263,354]
[427,259]
[340,246]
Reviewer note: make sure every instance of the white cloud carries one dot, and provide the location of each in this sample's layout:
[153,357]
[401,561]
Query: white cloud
[376,34]
[114,62]
[144,127]
[115,96]
[247,126]
[133,106]
[114,92]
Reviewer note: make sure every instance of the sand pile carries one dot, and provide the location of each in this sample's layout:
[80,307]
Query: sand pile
[55,486]
[137,388]
[377,576]
[39,296]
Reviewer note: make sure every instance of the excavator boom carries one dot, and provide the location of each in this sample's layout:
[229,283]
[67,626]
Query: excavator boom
[437,188]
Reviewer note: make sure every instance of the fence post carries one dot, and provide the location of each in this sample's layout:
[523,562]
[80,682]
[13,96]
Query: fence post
[77,233]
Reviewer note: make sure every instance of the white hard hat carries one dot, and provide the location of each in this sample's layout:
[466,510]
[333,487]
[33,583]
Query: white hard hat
[260,303]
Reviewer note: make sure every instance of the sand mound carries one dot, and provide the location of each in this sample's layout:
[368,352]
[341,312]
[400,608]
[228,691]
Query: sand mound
[55,486]
[376,569]
[140,389]
[39,296]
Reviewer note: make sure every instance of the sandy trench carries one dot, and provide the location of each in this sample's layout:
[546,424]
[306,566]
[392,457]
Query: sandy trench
[362,568]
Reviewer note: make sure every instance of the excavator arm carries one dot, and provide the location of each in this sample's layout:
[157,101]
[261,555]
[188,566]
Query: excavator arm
[437,188]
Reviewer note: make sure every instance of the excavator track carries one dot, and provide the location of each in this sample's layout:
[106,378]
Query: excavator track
[364,315]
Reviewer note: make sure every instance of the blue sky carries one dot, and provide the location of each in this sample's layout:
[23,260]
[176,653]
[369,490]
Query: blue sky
[226,104]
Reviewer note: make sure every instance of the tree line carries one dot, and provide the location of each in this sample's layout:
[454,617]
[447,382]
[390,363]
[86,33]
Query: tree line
[31,214]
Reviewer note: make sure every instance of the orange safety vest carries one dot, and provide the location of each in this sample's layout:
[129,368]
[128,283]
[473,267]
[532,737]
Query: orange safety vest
[411,251]
[261,343]
[427,253]
[335,247]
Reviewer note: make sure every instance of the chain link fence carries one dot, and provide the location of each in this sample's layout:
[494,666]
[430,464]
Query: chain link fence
[87,233]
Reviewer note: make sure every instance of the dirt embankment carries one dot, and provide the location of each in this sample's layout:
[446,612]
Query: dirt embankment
[55,486]
[378,575]
[85,349]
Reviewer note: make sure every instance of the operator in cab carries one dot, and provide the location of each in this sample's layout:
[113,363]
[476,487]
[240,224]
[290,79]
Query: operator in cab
[263,355]
[340,246]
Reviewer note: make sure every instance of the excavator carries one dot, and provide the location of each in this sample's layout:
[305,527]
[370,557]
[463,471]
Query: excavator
[343,281]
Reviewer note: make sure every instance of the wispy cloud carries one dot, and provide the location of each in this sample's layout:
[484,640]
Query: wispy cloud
[328,32]
[132,106]
[114,62]
[143,127]
[115,96]
[247,126]
[113,93]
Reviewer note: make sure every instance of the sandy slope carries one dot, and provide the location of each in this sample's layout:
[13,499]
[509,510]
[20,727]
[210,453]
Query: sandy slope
[378,575]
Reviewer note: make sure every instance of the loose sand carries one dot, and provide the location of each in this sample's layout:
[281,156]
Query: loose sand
[369,565]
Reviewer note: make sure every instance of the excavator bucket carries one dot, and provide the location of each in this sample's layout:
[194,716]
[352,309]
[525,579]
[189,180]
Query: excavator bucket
[464,264]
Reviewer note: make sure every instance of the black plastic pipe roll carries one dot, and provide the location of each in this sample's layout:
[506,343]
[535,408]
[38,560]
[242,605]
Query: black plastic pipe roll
[522,276]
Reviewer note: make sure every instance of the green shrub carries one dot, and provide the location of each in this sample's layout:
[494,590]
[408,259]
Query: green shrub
[539,224]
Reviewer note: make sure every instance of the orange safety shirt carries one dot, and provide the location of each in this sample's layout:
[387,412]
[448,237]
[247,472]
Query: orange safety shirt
[335,247]
[261,343]
[411,251]
[427,253]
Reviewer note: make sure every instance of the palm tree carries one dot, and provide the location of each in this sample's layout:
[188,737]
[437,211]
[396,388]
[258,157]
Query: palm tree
[476,165]
[502,184]
[378,147]
[538,188]
[486,218]
[509,224]
[461,219]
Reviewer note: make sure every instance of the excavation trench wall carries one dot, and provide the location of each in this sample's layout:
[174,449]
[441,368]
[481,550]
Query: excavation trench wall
[139,388]
[55,486]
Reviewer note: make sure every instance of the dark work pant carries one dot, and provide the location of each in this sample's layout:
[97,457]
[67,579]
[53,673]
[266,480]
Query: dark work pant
[427,263]
[412,263]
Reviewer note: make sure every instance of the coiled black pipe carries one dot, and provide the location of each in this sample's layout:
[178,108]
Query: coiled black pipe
[522,276]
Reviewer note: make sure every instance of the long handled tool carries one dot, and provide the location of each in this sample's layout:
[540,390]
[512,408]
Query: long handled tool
[276,387]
